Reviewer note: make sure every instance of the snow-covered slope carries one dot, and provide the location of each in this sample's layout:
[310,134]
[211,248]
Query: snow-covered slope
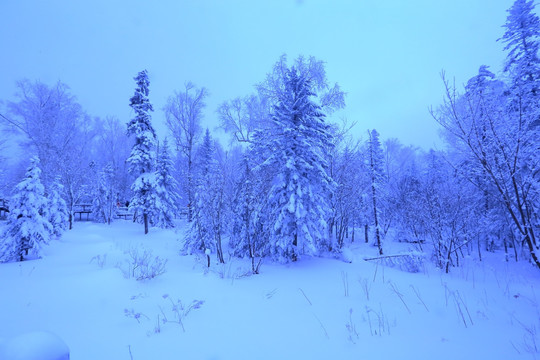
[319,308]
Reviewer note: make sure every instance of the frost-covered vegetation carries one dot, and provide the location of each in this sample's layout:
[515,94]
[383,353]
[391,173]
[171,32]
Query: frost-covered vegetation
[293,187]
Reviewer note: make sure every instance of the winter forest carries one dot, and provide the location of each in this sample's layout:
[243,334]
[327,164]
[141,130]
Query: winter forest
[291,230]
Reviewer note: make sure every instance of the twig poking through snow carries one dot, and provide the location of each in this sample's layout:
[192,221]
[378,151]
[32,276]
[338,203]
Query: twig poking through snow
[322,326]
[400,295]
[351,328]
[345,280]
[303,293]
[270,294]
[419,298]
[366,287]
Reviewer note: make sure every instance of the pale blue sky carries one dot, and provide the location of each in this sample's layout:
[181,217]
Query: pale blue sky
[387,55]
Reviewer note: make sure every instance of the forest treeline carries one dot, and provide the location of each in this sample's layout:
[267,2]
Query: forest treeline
[292,182]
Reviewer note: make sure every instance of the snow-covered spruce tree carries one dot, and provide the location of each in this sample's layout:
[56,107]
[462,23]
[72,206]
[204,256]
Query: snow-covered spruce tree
[375,159]
[57,209]
[141,159]
[207,225]
[522,41]
[28,227]
[104,204]
[166,189]
[298,202]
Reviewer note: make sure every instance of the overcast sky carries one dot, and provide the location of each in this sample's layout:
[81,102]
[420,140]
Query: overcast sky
[387,55]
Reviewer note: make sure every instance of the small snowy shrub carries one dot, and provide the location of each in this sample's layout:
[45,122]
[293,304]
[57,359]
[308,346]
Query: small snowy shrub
[100,260]
[178,311]
[378,322]
[135,315]
[226,271]
[351,328]
[142,265]
[412,262]
[58,212]
[347,255]
[175,314]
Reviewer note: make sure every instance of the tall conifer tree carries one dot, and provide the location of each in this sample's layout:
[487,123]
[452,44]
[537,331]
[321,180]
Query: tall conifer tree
[166,188]
[295,151]
[141,160]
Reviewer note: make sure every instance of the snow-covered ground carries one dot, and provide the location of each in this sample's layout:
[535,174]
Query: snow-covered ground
[318,308]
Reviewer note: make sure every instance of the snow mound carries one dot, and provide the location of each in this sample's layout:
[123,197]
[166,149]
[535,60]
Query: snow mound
[39,345]
[347,255]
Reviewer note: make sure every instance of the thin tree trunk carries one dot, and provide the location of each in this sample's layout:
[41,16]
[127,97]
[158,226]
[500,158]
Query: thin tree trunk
[479,249]
[376,218]
[505,249]
[145,219]
[366,233]
[514,245]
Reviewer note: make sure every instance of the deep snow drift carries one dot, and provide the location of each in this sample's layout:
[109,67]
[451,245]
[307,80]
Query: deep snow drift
[85,291]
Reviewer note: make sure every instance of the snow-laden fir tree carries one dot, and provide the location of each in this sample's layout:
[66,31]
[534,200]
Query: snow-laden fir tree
[522,41]
[28,227]
[208,207]
[141,159]
[166,189]
[104,203]
[58,211]
[297,147]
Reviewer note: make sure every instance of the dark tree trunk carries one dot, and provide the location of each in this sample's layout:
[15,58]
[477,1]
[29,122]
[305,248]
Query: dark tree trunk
[366,233]
[190,185]
[376,218]
[145,219]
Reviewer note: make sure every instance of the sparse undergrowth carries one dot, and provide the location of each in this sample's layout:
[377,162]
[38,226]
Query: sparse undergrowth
[141,264]
[137,263]
[174,313]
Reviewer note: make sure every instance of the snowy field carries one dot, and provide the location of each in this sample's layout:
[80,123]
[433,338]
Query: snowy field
[319,308]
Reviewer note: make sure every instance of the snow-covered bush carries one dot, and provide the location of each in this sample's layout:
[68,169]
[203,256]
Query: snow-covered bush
[351,328]
[179,311]
[100,260]
[412,262]
[226,270]
[175,313]
[58,211]
[140,264]
[104,203]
